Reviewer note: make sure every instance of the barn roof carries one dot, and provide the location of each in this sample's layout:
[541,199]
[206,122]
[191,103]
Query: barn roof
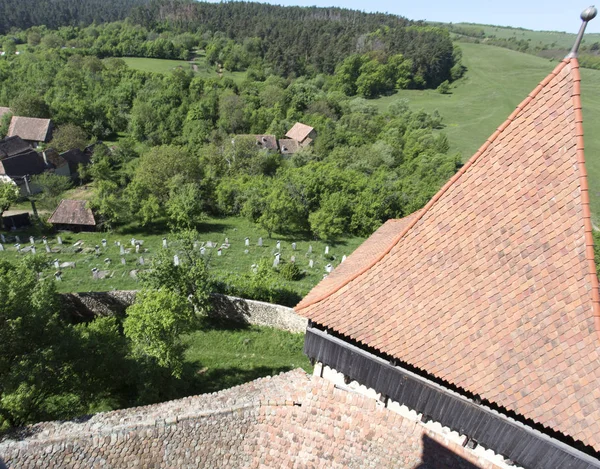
[29,128]
[11,146]
[72,212]
[492,286]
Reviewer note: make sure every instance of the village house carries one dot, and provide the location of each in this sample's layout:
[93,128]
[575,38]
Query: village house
[302,133]
[73,215]
[77,158]
[31,129]
[19,162]
[482,310]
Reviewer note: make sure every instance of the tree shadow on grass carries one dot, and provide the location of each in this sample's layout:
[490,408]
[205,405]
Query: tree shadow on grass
[198,380]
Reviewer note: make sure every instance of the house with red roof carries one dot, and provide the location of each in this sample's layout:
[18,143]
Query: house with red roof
[481,311]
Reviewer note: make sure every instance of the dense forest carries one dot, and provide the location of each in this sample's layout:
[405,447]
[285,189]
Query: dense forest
[22,14]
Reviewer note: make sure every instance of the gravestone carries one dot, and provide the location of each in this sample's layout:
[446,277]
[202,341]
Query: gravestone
[276,261]
[18,246]
[227,240]
[202,250]
[123,261]
[343,257]
[209,244]
[137,248]
[97,248]
[32,240]
[293,246]
[176,260]
[310,248]
[133,241]
[107,260]
[260,242]
[164,245]
[247,242]
[18,239]
[219,251]
[104,243]
[33,250]
[58,276]
[122,250]
[44,240]
[48,250]
[56,264]
[293,259]
[95,273]
[141,261]
[70,265]
[278,245]
[311,263]
[59,240]
[1,247]
[2,238]
[118,243]
[326,249]
[195,244]
[328,268]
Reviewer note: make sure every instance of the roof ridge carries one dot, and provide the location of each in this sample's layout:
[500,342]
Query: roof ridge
[585,197]
[461,171]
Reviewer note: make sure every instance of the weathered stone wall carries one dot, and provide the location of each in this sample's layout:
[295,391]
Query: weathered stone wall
[84,306]
[258,313]
[291,421]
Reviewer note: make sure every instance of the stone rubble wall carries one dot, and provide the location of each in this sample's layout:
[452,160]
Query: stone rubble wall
[85,306]
[288,421]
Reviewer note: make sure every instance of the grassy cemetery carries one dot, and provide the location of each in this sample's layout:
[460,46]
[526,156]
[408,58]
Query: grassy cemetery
[119,257]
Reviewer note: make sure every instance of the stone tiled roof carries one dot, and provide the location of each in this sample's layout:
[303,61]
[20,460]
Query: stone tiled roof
[288,421]
[492,287]
[11,146]
[72,212]
[27,163]
[299,131]
[30,128]
[288,146]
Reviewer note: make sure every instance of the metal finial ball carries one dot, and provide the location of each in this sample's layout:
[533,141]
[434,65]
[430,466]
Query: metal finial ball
[589,13]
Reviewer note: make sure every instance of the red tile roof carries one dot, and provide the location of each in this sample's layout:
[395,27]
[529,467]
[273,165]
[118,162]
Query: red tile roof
[299,131]
[72,212]
[492,286]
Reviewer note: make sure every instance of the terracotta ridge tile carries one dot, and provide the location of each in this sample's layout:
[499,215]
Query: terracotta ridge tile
[301,306]
[585,200]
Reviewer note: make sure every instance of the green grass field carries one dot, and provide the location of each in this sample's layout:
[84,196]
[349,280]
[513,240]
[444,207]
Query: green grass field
[233,261]
[199,66]
[497,80]
[225,354]
[556,39]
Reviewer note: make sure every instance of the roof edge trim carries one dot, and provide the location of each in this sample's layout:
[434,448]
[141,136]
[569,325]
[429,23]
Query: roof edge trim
[585,199]
[448,184]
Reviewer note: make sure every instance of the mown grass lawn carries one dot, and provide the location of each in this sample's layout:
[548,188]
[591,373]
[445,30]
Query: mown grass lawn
[198,65]
[224,354]
[497,80]
[233,262]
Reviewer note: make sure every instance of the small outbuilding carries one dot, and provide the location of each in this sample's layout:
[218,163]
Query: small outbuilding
[73,215]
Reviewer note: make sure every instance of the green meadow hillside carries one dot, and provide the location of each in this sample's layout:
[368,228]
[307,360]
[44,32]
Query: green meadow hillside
[497,80]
